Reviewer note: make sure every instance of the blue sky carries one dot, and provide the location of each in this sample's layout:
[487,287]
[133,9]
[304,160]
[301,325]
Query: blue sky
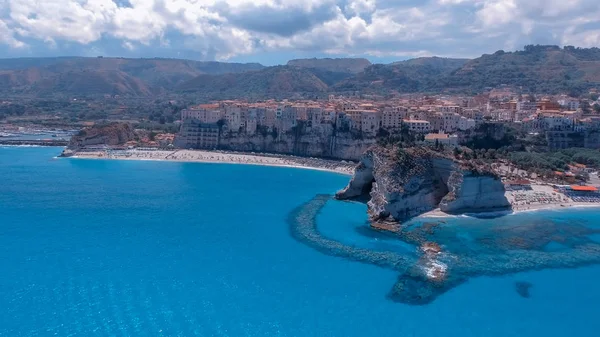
[274,31]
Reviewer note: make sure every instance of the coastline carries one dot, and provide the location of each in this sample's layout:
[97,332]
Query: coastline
[557,200]
[221,157]
[437,213]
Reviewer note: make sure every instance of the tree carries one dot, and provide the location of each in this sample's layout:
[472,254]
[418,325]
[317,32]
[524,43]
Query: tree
[585,107]
[220,124]
[263,130]
[597,108]
[456,152]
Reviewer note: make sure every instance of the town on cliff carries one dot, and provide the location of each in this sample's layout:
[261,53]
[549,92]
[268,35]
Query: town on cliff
[408,157]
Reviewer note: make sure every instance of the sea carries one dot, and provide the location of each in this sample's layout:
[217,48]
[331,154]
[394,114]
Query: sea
[146,248]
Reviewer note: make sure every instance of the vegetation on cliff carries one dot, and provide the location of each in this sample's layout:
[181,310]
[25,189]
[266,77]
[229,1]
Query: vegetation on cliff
[547,69]
[103,134]
[337,65]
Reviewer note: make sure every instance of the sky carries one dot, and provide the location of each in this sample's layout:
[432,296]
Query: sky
[274,31]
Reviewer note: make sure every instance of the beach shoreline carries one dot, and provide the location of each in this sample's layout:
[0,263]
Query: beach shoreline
[516,210]
[553,200]
[222,157]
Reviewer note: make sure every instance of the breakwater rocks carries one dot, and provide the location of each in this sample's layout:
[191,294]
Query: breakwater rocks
[446,256]
[400,184]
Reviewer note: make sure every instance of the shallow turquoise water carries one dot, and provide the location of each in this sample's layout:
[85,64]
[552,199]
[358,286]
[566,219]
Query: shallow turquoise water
[129,248]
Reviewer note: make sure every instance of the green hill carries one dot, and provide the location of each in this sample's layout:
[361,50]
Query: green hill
[338,65]
[404,76]
[539,69]
[96,76]
[276,80]
[547,69]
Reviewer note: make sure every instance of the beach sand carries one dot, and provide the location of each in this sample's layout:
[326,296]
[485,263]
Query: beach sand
[540,197]
[199,156]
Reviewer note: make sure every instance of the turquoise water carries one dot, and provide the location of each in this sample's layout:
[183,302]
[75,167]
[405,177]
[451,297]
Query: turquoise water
[130,248]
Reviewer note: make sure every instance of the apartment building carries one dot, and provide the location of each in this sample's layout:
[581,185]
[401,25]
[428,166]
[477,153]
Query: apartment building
[392,117]
[569,104]
[197,135]
[454,109]
[370,121]
[233,116]
[205,113]
[465,123]
[418,126]
[450,120]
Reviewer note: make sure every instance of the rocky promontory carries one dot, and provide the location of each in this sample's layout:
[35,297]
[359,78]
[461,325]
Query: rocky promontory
[401,183]
[112,134]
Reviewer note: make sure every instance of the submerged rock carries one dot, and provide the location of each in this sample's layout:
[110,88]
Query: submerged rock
[522,289]
[442,260]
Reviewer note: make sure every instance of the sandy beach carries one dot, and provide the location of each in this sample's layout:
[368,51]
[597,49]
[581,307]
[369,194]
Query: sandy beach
[199,156]
[540,197]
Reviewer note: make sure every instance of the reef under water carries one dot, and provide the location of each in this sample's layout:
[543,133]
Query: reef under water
[523,289]
[447,255]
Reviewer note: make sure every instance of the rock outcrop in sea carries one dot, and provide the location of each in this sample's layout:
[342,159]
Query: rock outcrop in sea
[402,183]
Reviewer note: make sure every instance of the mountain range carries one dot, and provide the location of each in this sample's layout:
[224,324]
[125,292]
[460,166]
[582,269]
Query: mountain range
[96,76]
[546,69]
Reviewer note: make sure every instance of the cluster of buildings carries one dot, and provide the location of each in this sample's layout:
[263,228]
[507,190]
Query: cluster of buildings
[204,124]
[438,118]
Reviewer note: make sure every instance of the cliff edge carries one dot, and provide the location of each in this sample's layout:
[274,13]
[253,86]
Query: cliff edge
[401,183]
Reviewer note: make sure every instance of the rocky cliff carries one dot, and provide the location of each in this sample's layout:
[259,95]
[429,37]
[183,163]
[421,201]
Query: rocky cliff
[403,183]
[473,192]
[308,145]
[107,134]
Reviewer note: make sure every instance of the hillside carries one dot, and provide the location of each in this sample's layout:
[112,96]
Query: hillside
[339,65]
[97,76]
[548,69]
[404,76]
[540,69]
[269,81]
[441,63]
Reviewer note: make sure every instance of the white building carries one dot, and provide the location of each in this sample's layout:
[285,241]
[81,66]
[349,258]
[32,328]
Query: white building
[370,121]
[206,113]
[569,104]
[465,123]
[419,126]
[233,116]
[392,117]
[450,121]
[455,109]
[526,106]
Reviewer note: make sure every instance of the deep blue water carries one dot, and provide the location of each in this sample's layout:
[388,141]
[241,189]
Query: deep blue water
[130,248]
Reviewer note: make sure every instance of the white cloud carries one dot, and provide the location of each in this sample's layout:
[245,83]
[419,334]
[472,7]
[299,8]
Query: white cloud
[223,29]
[7,37]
